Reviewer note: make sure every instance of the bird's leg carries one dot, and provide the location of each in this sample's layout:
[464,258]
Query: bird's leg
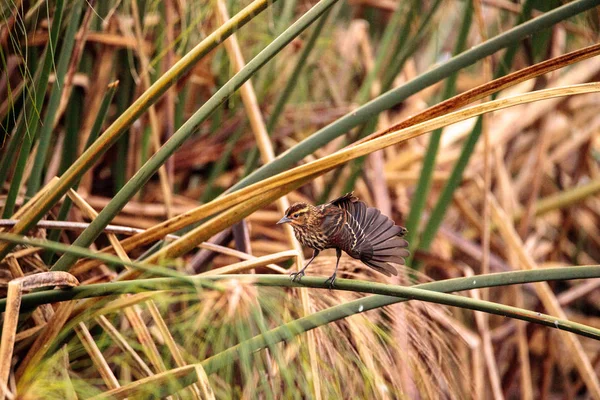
[331,279]
[297,275]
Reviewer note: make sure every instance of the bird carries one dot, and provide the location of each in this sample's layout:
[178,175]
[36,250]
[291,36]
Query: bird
[348,224]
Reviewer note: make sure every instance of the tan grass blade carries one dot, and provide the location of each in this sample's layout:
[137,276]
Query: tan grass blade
[9,330]
[507,190]
[482,319]
[487,89]
[239,254]
[27,333]
[66,378]
[113,306]
[197,388]
[96,356]
[123,344]
[157,380]
[165,184]
[261,193]
[207,392]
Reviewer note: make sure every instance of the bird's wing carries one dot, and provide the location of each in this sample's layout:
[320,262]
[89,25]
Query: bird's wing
[344,202]
[376,240]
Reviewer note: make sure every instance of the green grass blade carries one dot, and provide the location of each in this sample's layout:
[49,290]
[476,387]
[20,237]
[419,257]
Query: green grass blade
[68,41]
[117,128]
[32,117]
[86,253]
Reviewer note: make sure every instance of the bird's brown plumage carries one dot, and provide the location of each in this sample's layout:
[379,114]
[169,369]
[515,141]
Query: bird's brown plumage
[347,224]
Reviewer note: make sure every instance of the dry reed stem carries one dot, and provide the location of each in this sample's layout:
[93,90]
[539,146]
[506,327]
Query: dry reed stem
[507,198]
[113,306]
[548,298]
[267,153]
[171,92]
[96,356]
[197,387]
[165,180]
[39,317]
[9,330]
[104,38]
[123,344]
[482,319]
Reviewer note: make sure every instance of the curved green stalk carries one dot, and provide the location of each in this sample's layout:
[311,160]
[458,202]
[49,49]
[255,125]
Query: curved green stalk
[179,137]
[446,286]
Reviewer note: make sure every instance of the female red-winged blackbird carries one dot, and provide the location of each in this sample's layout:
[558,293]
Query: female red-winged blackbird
[346,223]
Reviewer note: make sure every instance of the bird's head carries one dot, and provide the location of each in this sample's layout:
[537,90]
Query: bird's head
[297,215]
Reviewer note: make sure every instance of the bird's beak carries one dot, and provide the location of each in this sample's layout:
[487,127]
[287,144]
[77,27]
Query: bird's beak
[284,220]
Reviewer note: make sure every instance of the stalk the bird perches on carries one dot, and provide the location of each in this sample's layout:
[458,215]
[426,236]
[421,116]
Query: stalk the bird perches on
[346,223]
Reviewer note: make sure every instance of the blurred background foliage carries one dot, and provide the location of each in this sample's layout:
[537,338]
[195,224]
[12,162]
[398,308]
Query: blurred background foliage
[89,92]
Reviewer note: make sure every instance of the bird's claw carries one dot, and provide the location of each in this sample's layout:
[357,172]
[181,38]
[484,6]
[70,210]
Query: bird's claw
[330,281]
[296,276]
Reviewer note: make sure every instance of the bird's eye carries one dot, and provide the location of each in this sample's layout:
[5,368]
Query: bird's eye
[296,215]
